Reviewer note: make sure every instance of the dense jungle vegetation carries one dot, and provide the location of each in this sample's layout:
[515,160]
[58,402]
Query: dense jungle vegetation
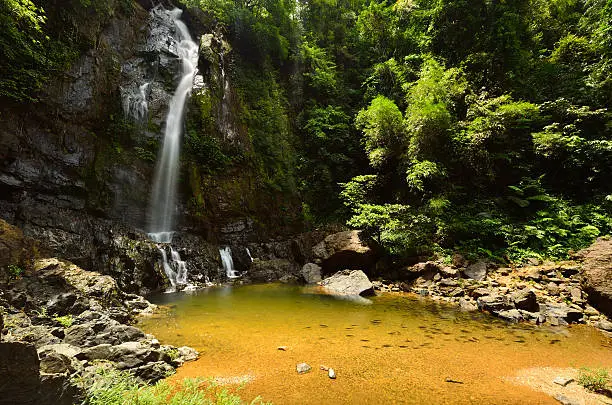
[435,125]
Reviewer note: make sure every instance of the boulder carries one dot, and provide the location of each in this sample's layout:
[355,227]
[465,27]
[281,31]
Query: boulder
[349,282]
[311,273]
[187,353]
[526,300]
[597,275]
[19,374]
[493,303]
[344,250]
[424,270]
[467,305]
[134,354]
[511,315]
[561,312]
[153,372]
[476,271]
[99,352]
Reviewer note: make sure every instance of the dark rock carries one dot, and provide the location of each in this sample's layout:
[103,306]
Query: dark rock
[345,250]
[563,312]
[512,315]
[458,260]
[526,300]
[481,292]
[493,303]
[569,270]
[423,270]
[57,389]
[52,362]
[448,272]
[19,374]
[133,354]
[311,273]
[38,335]
[153,372]
[349,282]
[271,270]
[448,283]
[99,352]
[476,271]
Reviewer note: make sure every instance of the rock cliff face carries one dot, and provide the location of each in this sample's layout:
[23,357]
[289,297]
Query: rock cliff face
[76,168]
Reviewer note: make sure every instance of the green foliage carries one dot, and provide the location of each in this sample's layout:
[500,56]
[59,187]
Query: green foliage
[115,387]
[66,321]
[206,150]
[15,272]
[594,379]
[383,131]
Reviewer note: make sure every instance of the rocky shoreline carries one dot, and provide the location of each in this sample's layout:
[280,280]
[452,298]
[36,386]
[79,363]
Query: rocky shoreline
[550,293]
[60,325]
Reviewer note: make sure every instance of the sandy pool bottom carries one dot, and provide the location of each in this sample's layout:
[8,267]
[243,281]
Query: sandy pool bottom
[394,349]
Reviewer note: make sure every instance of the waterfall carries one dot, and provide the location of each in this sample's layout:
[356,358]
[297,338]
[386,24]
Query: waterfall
[135,103]
[226,125]
[249,253]
[228,262]
[175,268]
[163,197]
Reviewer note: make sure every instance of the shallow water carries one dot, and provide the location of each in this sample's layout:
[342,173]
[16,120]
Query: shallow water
[389,349]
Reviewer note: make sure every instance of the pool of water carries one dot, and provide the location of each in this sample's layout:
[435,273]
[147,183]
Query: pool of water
[392,348]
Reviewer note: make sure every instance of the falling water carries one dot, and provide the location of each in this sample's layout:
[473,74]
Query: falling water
[249,253]
[163,197]
[135,102]
[226,125]
[228,262]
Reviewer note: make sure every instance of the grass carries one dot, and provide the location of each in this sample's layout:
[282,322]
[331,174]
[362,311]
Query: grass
[595,379]
[66,321]
[114,387]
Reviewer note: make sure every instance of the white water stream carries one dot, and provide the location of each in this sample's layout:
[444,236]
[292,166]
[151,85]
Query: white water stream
[228,262]
[163,198]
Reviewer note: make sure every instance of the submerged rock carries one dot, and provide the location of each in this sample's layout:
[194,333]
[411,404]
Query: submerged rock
[303,368]
[349,282]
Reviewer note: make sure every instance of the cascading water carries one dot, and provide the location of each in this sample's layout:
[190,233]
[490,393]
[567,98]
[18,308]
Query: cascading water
[163,197]
[228,262]
[135,102]
[249,254]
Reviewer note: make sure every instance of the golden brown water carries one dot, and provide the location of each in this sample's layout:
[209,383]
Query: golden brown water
[397,349]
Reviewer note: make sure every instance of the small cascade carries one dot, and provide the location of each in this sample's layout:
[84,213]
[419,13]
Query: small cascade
[249,254]
[135,103]
[175,268]
[228,262]
[226,124]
